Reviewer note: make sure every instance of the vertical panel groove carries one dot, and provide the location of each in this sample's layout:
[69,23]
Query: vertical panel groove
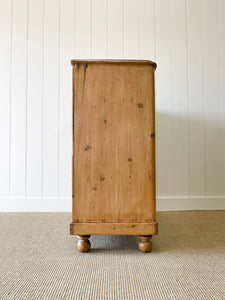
[91,29]
[221,38]
[26,129]
[219,69]
[139,29]
[123,24]
[10,104]
[42,104]
[107,31]
[75,31]
[59,45]
[188,108]
[172,105]
[156,118]
[155,58]
[203,83]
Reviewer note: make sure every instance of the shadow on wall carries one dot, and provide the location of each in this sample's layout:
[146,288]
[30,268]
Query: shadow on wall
[190,154]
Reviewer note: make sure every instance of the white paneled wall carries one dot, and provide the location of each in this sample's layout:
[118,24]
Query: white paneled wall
[37,41]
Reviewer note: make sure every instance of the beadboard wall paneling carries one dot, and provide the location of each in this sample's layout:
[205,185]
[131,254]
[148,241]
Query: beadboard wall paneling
[51,86]
[163,91]
[37,41]
[213,136]
[221,58]
[5,95]
[18,98]
[66,50]
[115,29]
[99,29]
[195,82]
[83,36]
[179,103]
[131,28]
[34,105]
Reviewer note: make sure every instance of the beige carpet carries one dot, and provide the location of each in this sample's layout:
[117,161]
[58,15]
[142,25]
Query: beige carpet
[38,259]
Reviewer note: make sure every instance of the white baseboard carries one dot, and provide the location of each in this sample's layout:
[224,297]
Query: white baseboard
[64,204]
[36,204]
[190,203]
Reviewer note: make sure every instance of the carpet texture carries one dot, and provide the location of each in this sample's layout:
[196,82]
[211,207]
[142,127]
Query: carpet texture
[39,260]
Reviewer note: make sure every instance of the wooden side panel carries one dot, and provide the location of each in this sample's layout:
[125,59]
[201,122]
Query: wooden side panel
[114,146]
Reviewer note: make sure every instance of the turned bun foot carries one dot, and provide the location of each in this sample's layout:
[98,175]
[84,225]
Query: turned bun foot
[83,243]
[145,244]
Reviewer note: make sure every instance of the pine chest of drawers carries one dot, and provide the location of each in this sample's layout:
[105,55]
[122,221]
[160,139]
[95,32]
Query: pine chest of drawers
[113,150]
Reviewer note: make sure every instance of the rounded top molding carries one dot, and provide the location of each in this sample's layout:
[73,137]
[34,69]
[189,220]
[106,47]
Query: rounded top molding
[113,61]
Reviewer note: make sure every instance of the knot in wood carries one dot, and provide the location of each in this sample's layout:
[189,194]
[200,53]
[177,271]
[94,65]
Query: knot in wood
[140,105]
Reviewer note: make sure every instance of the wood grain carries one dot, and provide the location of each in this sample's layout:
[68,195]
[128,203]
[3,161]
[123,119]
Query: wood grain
[145,244]
[83,243]
[114,143]
[114,228]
